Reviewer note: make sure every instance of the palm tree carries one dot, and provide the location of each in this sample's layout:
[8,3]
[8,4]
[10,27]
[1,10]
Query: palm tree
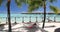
[8,10]
[51,7]
[35,4]
[32,6]
[44,14]
[8,13]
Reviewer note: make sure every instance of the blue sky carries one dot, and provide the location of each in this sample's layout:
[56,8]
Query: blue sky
[24,7]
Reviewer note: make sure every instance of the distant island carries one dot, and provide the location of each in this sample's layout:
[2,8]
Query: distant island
[38,13]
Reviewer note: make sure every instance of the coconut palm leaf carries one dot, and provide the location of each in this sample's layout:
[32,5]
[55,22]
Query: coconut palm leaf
[19,2]
[34,5]
[51,1]
[54,8]
[1,2]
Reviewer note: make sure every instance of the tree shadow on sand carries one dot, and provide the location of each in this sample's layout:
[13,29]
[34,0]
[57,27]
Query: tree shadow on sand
[1,27]
[50,26]
[57,30]
[34,29]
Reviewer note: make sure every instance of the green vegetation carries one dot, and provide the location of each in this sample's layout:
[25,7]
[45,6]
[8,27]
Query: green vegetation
[33,5]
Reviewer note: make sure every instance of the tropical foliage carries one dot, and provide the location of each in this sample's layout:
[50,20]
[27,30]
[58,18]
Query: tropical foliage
[34,4]
[1,2]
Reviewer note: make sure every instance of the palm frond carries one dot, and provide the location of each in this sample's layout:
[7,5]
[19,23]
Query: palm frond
[19,2]
[1,2]
[34,5]
[54,8]
[31,8]
[51,1]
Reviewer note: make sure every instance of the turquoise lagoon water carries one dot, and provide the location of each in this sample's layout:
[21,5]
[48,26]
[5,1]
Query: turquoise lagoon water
[27,19]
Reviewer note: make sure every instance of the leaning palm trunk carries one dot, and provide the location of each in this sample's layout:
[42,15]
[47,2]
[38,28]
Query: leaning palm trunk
[8,10]
[44,14]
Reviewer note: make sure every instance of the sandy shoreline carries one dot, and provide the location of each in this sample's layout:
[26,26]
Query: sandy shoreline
[49,27]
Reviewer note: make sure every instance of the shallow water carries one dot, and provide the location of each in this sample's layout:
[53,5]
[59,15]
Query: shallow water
[27,17]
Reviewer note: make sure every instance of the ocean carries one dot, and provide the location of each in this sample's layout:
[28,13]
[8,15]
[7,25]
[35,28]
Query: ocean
[19,17]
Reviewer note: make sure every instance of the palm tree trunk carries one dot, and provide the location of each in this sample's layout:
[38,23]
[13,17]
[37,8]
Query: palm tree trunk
[44,14]
[8,11]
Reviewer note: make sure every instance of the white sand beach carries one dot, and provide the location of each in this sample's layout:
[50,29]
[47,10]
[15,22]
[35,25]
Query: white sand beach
[49,27]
